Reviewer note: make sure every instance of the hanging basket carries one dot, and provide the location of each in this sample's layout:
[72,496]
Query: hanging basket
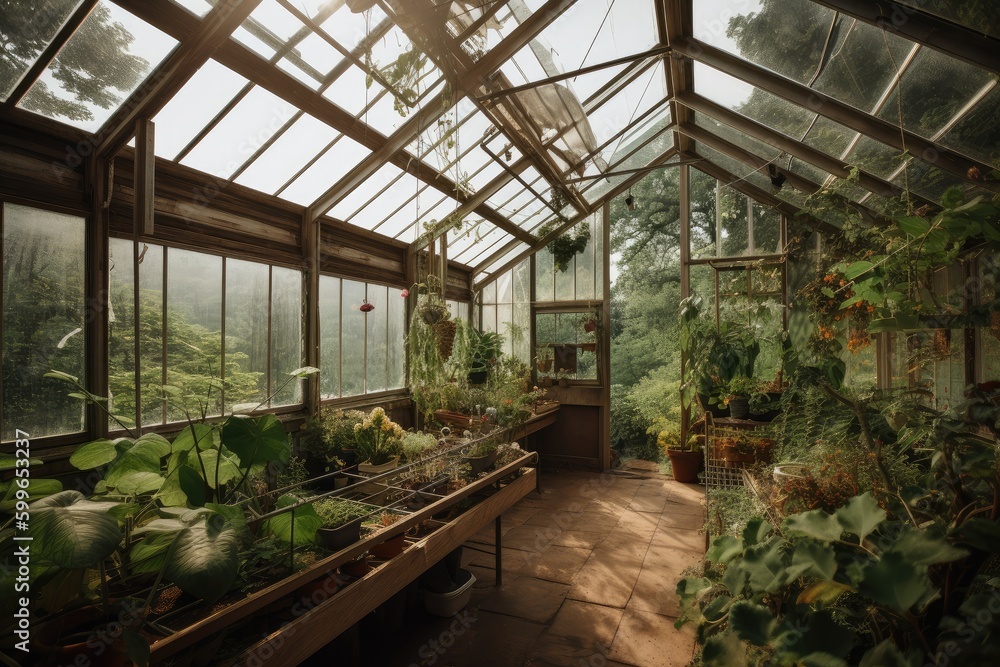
[444,332]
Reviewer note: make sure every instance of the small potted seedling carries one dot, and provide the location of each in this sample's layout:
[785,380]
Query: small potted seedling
[341,522]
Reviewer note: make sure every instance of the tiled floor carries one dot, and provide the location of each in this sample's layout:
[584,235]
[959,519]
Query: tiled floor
[590,569]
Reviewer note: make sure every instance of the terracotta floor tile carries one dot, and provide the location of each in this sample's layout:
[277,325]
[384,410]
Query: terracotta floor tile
[650,640]
[587,621]
[559,564]
[528,598]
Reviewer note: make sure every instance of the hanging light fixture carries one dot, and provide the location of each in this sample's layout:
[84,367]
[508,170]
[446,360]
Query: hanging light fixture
[777,178]
[630,201]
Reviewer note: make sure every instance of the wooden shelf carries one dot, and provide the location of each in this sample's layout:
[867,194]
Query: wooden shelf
[362,596]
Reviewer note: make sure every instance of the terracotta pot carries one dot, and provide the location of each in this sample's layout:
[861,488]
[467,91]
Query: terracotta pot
[358,567]
[390,548]
[739,407]
[564,382]
[453,419]
[545,382]
[685,465]
[367,469]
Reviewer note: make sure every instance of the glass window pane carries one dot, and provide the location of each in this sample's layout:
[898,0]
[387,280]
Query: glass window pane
[544,279]
[981,17]
[325,172]
[860,67]
[194,333]
[27,29]
[151,297]
[286,334]
[397,335]
[376,324]
[121,334]
[43,320]
[246,333]
[329,333]
[565,281]
[104,61]
[352,339]
[978,134]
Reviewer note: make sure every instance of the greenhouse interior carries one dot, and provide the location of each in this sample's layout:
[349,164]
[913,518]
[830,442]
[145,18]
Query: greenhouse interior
[500,332]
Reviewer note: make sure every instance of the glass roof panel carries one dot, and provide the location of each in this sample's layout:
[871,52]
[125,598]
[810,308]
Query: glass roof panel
[862,64]
[478,243]
[753,30]
[642,153]
[753,176]
[300,143]
[349,27]
[352,92]
[196,7]
[875,157]
[200,100]
[311,61]
[333,165]
[365,192]
[978,133]
[497,265]
[980,17]
[934,88]
[243,130]
[755,103]
[926,180]
[103,63]
[26,31]
[268,29]
[829,137]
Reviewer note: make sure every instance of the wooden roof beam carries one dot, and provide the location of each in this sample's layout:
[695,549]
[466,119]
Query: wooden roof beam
[835,110]
[796,149]
[912,24]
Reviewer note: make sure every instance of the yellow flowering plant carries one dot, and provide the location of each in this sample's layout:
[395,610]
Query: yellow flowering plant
[378,438]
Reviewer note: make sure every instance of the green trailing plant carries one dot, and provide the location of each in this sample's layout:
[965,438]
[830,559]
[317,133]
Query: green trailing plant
[567,245]
[485,349]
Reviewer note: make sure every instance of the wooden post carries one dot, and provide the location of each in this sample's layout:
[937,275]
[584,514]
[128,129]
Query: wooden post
[144,176]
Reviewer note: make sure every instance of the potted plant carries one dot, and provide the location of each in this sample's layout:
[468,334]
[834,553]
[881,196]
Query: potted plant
[481,454]
[484,350]
[686,458]
[378,440]
[393,546]
[741,389]
[341,522]
[328,442]
[563,375]
[417,444]
[543,360]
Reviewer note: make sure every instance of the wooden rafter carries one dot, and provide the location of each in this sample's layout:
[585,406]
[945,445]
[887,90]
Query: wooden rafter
[937,33]
[834,109]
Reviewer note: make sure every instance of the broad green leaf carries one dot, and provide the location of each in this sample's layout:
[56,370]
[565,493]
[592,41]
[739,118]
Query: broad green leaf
[856,269]
[818,632]
[229,469]
[824,592]
[9,461]
[816,524]
[305,371]
[724,650]
[756,530]
[723,549]
[735,580]
[922,548]
[766,564]
[192,484]
[717,608]
[913,225]
[200,557]
[303,522]
[142,456]
[136,647]
[73,532]
[256,439]
[860,516]
[894,581]
[139,482]
[37,488]
[751,622]
[205,435]
[94,454]
[812,559]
